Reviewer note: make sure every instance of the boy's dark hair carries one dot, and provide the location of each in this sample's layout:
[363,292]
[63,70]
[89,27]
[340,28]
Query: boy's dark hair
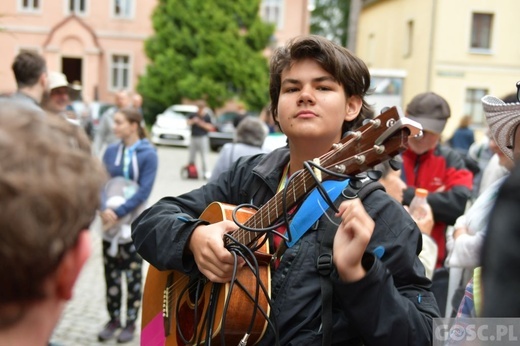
[28,68]
[348,70]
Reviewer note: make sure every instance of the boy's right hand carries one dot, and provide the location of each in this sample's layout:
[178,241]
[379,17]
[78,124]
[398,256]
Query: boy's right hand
[207,246]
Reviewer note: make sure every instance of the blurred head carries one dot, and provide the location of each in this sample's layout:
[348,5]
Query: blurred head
[432,112]
[251,131]
[29,69]
[465,121]
[49,191]
[347,69]
[201,105]
[122,99]
[137,101]
[60,93]
[391,178]
[503,120]
[129,122]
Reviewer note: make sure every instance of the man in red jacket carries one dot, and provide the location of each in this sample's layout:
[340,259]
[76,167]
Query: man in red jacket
[429,165]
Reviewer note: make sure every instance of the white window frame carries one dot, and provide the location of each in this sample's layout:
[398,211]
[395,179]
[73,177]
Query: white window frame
[490,34]
[77,11]
[473,104]
[129,5]
[31,8]
[267,10]
[115,85]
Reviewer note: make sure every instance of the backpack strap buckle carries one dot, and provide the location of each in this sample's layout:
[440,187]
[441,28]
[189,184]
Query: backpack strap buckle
[324,264]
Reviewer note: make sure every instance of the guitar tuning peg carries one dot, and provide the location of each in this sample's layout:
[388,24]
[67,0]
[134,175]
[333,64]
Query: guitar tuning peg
[384,109]
[374,175]
[396,162]
[355,184]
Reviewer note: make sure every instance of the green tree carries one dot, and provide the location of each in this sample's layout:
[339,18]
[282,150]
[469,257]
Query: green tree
[206,49]
[330,19]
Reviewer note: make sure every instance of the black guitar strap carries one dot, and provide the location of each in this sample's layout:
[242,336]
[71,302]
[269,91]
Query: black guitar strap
[324,261]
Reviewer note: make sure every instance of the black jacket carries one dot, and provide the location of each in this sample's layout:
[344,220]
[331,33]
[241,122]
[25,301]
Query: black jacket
[391,305]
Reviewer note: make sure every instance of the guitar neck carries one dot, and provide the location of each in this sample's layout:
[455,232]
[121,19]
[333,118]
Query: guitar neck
[273,210]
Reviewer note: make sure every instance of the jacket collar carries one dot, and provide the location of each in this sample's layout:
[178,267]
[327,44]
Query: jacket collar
[271,166]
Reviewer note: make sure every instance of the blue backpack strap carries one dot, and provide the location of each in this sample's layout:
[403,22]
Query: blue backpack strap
[324,262]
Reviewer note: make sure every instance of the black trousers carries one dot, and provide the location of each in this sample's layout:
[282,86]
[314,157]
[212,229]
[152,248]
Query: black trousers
[128,262]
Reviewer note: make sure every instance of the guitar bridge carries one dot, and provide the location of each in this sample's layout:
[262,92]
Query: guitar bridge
[167,304]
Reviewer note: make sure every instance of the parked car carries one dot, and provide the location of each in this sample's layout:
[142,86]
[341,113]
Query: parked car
[171,127]
[225,131]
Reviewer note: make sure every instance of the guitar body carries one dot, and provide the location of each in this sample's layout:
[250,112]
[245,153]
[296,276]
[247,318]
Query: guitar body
[178,309]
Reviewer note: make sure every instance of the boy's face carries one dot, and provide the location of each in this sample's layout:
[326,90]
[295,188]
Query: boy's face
[394,185]
[312,105]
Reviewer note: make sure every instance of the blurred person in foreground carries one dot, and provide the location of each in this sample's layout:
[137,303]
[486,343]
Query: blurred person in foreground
[500,253]
[249,138]
[317,91]
[394,186]
[49,191]
[465,240]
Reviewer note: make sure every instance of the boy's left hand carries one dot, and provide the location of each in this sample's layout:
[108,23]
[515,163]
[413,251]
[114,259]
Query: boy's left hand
[351,240]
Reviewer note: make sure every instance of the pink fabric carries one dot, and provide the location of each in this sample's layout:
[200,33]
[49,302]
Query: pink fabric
[153,333]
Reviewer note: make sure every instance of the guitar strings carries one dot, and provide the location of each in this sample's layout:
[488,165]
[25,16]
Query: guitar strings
[298,181]
[239,249]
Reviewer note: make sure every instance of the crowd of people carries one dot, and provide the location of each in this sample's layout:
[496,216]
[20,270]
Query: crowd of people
[349,270]
[128,167]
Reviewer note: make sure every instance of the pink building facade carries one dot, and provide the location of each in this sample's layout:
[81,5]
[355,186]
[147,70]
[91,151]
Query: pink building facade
[99,44]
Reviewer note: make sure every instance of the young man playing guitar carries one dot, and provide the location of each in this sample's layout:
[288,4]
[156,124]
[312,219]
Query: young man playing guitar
[378,295]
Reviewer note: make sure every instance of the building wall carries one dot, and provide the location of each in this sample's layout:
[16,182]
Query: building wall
[92,37]
[296,20]
[441,59]
[96,35]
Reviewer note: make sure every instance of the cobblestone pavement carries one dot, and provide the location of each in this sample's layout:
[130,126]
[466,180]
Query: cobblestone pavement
[85,315]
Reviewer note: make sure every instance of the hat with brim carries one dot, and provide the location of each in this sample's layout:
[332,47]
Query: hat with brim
[59,80]
[430,110]
[502,119]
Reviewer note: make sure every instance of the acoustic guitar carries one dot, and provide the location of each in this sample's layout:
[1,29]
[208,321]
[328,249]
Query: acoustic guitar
[190,310]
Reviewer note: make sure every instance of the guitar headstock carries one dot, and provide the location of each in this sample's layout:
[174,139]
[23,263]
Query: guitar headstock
[381,138]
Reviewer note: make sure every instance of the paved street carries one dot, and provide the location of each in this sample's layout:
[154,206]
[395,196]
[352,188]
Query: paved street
[85,314]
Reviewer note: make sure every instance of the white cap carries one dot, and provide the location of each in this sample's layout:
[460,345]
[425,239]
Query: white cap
[58,80]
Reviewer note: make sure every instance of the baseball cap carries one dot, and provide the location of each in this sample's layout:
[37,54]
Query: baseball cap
[58,80]
[502,119]
[430,110]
